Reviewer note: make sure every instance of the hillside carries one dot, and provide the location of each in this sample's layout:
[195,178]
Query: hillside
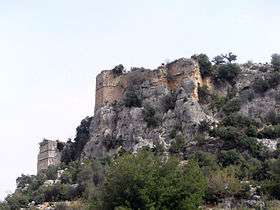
[193,133]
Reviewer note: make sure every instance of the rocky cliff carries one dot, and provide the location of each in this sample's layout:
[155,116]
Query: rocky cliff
[149,108]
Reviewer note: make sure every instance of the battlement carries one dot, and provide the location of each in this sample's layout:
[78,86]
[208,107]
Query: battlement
[49,154]
[111,87]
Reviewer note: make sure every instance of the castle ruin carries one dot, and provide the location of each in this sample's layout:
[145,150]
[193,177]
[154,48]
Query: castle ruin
[49,154]
[110,87]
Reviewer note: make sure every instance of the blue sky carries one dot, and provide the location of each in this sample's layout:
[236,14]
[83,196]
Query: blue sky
[51,51]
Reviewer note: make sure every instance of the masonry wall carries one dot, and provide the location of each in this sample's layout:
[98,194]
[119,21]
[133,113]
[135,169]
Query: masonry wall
[110,87]
[48,155]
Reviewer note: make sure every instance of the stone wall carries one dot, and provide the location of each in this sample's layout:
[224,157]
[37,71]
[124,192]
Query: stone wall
[110,87]
[48,154]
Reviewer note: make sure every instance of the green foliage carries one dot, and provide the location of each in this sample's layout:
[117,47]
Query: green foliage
[17,200]
[227,72]
[150,116]
[72,150]
[273,117]
[132,99]
[218,101]
[51,172]
[275,61]
[178,144]
[204,64]
[229,157]
[219,59]
[118,70]
[271,132]
[23,181]
[230,57]
[271,185]
[261,85]
[223,183]
[239,121]
[204,94]
[169,101]
[232,106]
[206,161]
[251,131]
[143,181]
[235,138]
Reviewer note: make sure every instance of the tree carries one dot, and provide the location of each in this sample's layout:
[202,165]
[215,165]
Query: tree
[118,70]
[230,57]
[219,59]
[275,61]
[227,72]
[204,64]
[143,181]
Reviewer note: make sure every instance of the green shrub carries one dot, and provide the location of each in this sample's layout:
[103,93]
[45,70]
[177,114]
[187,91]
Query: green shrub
[17,201]
[204,95]
[227,72]
[223,183]
[229,157]
[206,161]
[251,131]
[218,101]
[273,117]
[177,145]
[271,132]
[232,106]
[239,120]
[261,85]
[204,63]
[132,99]
[200,139]
[169,101]
[149,116]
[118,70]
[143,181]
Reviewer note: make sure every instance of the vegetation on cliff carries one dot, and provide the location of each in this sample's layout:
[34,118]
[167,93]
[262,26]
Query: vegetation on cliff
[230,156]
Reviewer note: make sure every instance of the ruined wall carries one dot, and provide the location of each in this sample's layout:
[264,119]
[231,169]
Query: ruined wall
[110,87]
[48,154]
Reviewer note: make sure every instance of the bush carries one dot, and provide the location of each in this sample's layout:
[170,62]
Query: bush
[271,132]
[149,116]
[204,94]
[239,120]
[223,183]
[218,101]
[17,201]
[204,63]
[275,61]
[143,181]
[132,99]
[206,161]
[118,70]
[72,150]
[177,145]
[232,106]
[273,117]
[261,85]
[169,101]
[229,157]
[227,72]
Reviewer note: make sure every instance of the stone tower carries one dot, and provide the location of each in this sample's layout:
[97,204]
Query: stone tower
[49,154]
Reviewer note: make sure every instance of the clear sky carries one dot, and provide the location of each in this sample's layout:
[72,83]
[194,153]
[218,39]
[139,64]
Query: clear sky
[51,51]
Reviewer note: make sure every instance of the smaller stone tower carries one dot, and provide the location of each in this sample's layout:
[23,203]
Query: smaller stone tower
[49,154]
